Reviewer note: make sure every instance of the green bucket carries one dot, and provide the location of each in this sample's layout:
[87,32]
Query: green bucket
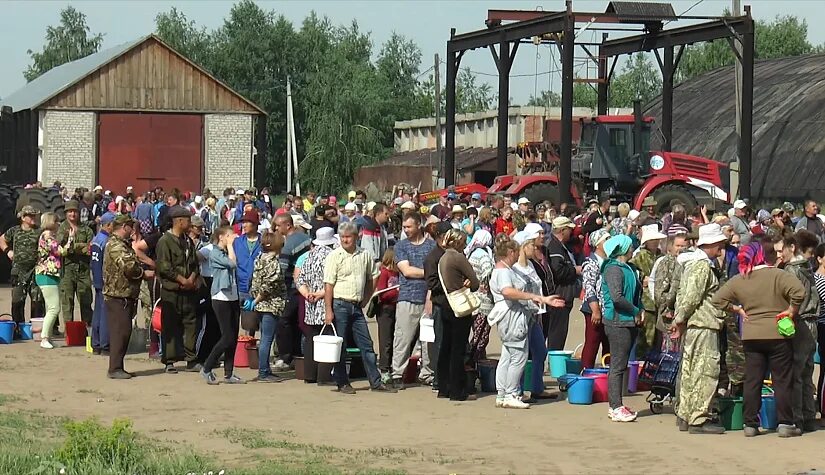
[730,413]
[527,377]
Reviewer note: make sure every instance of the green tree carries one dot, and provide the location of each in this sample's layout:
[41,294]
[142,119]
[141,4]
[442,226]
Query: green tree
[398,68]
[782,37]
[67,42]
[545,99]
[639,79]
[469,95]
[183,34]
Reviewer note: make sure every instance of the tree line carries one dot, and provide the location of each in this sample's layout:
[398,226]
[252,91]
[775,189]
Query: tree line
[346,99]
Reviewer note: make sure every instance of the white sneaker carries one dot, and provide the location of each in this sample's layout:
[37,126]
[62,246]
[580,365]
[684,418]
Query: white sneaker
[499,401]
[44,343]
[279,365]
[622,414]
[514,403]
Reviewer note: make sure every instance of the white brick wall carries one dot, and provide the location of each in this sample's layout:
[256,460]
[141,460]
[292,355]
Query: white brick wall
[228,151]
[69,148]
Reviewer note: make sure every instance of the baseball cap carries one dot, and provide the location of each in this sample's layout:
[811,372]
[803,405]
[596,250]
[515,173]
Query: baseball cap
[351,195]
[408,205]
[442,228]
[179,212]
[476,196]
[563,222]
[739,204]
[451,196]
[298,220]
[776,211]
[107,217]
[199,199]
[398,201]
[351,207]
[250,216]
[523,201]
[122,220]
[28,210]
[523,236]
[534,228]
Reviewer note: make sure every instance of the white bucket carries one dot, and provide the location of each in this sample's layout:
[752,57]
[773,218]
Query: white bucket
[327,348]
[426,330]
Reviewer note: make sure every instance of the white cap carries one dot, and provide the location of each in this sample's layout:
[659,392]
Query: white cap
[739,204]
[651,232]
[119,199]
[533,228]
[298,220]
[710,234]
[523,236]
[633,214]
[98,188]
[523,201]
[239,192]
[408,205]
[370,205]
[199,199]
[130,187]
[350,207]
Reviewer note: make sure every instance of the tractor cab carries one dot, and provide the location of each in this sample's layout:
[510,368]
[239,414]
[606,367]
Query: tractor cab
[612,157]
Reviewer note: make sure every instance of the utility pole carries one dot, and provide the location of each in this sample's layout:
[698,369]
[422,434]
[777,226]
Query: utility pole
[438,149]
[288,141]
[736,10]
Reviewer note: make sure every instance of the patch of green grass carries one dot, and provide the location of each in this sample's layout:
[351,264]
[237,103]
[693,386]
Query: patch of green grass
[9,398]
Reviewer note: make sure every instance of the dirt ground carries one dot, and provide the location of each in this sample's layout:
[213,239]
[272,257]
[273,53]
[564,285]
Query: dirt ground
[411,431]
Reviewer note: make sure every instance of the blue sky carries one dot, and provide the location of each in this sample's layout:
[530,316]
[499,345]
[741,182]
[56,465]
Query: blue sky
[23,25]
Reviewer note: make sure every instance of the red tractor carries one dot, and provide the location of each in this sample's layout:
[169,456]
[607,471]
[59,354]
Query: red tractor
[613,159]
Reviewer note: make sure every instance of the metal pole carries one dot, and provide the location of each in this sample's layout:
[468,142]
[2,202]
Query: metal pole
[736,10]
[503,102]
[449,146]
[438,147]
[667,99]
[746,137]
[601,108]
[288,141]
[568,44]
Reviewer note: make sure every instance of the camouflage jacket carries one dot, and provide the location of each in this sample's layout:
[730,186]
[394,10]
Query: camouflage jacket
[78,253]
[175,257]
[268,283]
[664,287]
[693,299]
[644,261]
[24,244]
[121,270]
[801,269]
[518,220]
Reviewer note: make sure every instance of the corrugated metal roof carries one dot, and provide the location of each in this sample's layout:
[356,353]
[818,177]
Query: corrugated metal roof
[632,10]
[58,79]
[788,120]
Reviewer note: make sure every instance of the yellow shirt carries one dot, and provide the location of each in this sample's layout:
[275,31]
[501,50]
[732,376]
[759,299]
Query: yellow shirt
[348,273]
[308,205]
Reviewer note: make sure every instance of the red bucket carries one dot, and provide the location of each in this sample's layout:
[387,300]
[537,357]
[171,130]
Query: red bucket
[241,356]
[75,334]
[411,373]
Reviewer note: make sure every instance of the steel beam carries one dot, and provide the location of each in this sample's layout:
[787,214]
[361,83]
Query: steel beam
[504,62]
[604,83]
[746,136]
[566,149]
[453,60]
[709,31]
[509,33]
[667,98]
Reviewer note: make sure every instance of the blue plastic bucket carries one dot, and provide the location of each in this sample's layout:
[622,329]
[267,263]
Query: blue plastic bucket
[6,332]
[767,413]
[574,366]
[487,375]
[579,388]
[595,371]
[557,361]
[26,331]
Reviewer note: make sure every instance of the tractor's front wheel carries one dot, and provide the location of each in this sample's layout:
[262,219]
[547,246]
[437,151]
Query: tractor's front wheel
[667,193]
[542,191]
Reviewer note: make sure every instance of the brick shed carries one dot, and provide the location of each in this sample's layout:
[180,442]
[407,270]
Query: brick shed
[137,114]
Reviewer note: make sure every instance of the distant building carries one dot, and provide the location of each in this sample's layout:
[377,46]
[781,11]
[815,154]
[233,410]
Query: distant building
[137,114]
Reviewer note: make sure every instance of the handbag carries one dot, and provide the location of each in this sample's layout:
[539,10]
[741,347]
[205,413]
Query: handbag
[464,302]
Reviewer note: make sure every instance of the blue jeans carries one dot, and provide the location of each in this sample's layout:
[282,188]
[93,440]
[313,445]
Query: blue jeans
[538,353]
[348,316]
[268,323]
[100,327]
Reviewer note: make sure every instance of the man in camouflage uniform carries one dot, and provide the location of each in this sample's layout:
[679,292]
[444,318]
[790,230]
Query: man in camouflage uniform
[77,277]
[649,337]
[19,243]
[700,322]
[122,275]
[665,287]
[732,366]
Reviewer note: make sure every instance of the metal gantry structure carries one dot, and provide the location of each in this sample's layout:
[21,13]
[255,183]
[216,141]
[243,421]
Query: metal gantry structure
[560,28]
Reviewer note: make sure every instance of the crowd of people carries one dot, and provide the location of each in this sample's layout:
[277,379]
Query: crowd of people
[736,294]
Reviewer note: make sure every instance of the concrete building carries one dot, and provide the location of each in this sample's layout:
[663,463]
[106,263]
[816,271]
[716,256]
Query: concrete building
[137,114]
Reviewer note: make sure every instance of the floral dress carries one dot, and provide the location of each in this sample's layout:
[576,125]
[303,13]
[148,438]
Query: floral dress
[49,256]
[482,261]
[268,280]
[312,275]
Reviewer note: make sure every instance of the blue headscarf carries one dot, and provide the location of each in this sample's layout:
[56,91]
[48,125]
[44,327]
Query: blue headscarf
[617,246]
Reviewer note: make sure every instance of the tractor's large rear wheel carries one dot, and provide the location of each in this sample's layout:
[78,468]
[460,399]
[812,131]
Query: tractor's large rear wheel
[665,194]
[542,191]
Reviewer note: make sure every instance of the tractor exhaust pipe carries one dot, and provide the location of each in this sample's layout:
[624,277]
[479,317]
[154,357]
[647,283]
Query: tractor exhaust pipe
[637,126]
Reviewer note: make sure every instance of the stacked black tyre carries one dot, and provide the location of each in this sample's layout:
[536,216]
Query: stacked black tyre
[8,218]
[43,200]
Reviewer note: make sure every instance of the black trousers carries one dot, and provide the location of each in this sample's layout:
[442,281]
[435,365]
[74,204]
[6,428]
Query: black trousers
[820,397]
[119,314]
[386,333]
[314,371]
[210,330]
[179,327]
[452,379]
[759,355]
[288,335]
[228,315]
[557,329]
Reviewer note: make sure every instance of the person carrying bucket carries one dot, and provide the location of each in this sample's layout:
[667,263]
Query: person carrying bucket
[622,314]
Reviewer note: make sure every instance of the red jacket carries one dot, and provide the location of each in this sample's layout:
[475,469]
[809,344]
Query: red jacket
[386,279]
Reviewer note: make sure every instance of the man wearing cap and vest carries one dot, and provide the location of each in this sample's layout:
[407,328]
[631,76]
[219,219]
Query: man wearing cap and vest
[19,243]
[77,277]
[179,274]
[648,339]
[739,221]
[566,282]
[100,327]
[699,323]
[122,274]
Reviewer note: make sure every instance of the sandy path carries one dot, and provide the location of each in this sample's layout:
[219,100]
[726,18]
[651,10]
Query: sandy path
[423,434]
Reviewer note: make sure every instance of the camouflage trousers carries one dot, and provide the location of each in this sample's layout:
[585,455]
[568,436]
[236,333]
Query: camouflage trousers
[22,285]
[804,345]
[699,375]
[76,281]
[732,370]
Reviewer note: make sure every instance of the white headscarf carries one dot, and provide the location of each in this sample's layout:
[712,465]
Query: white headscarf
[482,239]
